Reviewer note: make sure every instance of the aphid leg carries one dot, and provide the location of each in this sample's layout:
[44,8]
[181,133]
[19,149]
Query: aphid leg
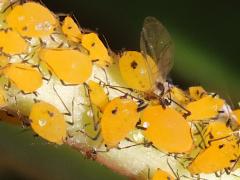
[126,147]
[34,92]
[235,164]
[68,113]
[94,138]
[64,84]
[217,175]
[106,78]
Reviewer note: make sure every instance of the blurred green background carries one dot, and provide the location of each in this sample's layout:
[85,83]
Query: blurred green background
[206,36]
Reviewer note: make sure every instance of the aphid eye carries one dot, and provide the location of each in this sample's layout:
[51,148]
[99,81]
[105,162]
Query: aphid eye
[134,64]
[221,146]
[114,111]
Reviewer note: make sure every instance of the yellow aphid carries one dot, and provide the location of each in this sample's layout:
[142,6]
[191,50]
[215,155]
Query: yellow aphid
[218,132]
[119,118]
[167,129]
[31,19]
[197,92]
[204,108]
[3,61]
[236,114]
[97,95]
[214,158]
[97,51]
[48,122]
[12,43]
[24,76]
[138,72]
[71,66]
[179,95]
[162,175]
[71,30]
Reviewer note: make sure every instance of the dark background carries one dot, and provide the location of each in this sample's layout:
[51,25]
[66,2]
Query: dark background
[206,36]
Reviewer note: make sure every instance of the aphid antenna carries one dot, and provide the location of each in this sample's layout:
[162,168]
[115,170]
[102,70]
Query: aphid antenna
[213,140]
[188,113]
[130,146]
[10,5]
[175,173]
[68,112]
[108,85]
[87,91]
[117,88]
[201,135]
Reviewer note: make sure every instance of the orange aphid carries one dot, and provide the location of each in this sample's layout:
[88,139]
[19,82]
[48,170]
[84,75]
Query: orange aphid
[71,30]
[97,95]
[204,108]
[71,66]
[218,132]
[167,129]
[162,175]
[137,71]
[24,76]
[215,158]
[97,51]
[48,122]
[119,118]
[179,95]
[197,92]
[31,19]
[12,43]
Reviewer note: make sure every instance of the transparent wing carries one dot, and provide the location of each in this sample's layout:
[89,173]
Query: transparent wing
[156,42]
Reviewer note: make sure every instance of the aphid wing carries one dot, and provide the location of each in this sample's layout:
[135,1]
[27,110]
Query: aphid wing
[156,42]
